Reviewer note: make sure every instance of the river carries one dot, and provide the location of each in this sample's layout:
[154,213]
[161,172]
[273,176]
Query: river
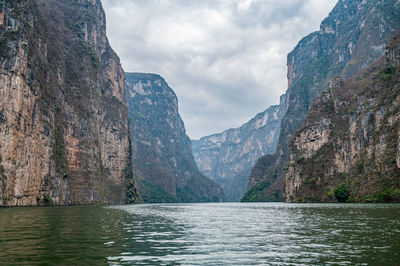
[202,234]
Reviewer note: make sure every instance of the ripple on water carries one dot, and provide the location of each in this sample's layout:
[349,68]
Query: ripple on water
[260,233]
[202,234]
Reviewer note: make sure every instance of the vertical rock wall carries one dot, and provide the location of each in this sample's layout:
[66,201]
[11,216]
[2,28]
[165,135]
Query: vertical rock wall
[351,37]
[227,157]
[351,139]
[64,136]
[162,155]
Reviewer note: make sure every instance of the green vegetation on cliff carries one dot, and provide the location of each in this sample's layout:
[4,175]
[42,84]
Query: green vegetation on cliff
[353,36]
[64,133]
[162,160]
[357,144]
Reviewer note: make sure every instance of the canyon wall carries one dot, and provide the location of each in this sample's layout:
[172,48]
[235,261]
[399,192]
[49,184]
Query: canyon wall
[227,157]
[162,158]
[349,147]
[64,136]
[353,35]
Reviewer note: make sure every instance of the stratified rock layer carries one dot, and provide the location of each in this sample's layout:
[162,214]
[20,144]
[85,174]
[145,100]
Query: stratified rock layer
[162,156]
[64,136]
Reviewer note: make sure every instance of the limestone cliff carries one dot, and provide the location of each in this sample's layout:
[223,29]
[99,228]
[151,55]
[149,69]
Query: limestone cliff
[227,157]
[352,36]
[162,156]
[349,147]
[64,136]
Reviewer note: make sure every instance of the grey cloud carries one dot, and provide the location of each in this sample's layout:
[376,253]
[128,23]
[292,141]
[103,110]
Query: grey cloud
[225,59]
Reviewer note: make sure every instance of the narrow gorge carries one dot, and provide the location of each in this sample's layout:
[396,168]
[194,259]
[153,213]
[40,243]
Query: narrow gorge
[76,129]
[228,157]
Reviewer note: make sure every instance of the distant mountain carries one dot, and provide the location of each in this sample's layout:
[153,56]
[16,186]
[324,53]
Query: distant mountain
[64,135]
[351,37]
[349,147]
[227,157]
[161,151]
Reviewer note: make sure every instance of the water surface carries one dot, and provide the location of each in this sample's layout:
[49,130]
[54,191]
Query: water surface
[202,234]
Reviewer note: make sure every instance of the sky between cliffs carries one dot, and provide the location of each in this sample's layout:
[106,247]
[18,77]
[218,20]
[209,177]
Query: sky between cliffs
[225,59]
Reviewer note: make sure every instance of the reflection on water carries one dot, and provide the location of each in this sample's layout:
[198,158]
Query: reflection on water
[207,234]
[59,235]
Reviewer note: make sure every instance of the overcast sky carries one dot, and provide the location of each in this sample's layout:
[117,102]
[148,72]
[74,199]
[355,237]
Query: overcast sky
[225,59]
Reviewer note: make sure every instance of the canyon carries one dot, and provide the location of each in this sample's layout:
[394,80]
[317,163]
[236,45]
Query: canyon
[76,129]
[228,157]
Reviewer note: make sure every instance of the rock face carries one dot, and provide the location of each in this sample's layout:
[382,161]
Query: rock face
[351,139]
[64,136]
[227,157]
[162,155]
[354,35]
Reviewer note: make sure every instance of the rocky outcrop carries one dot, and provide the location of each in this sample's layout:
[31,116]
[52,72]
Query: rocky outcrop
[64,136]
[351,37]
[351,139]
[227,157]
[162,156]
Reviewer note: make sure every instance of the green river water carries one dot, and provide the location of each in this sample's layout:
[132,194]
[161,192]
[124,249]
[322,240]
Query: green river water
[202,234]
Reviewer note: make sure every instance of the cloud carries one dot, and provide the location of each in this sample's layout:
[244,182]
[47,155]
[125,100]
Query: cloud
[225,59]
